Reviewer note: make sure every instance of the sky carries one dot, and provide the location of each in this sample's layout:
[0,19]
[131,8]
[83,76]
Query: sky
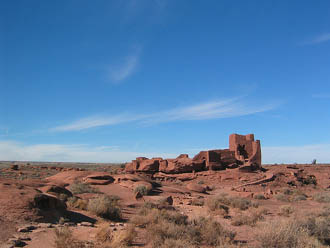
[107,81]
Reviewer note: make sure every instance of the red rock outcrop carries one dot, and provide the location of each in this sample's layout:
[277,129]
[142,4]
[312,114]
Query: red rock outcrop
[244,152]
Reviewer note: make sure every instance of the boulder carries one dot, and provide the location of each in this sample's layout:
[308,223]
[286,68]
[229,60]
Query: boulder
[143,183]
[149,165]
[196,188]
[47,202]
[101,178]
[57,190]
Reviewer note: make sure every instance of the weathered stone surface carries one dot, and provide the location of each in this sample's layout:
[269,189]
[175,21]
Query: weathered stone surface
[182,165]
[47,202]
[246,149]
[149,165]
[196,188]
[57,190]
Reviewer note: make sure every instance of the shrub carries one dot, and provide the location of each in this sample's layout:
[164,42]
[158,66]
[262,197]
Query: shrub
[310,180]
[201,182]
[299,198]
[322,197]
[240,203]
[215,205]
[197,202]
[104,234]
[251,219]
[235,202]
[105,207]
[79,188]
[76,202]
[283,234]
[282,197]
[141,189]
[122,238]
[286,210]
[201,231]
[211,232]
[64,239]
[172,228]
[176,243]
[259,197]
[319,227]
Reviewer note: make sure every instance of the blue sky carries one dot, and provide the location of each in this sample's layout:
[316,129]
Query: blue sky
[106,81]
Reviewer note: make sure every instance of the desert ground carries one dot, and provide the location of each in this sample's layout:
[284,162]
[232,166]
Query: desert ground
[99,205]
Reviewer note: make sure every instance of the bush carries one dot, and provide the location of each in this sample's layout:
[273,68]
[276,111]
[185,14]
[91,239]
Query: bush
[201,182]
[215,205]
[141,189]
[286,210]
[105,207]
[122,238]
[223,201]
[172,228]
[259,197]
[80,188]
[310,180]
[197,202]
[299,198]
[104,233]
[76,202]
[282,197]
[250,219]
[64,239]
[319,227]
[322,197]
[283,234]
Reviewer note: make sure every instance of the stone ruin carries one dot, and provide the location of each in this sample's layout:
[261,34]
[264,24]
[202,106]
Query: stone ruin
[244,153]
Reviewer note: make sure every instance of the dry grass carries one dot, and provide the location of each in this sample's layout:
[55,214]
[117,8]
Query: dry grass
[322,197]
[259,197]
[294,233]
[107,238]
[197,202]
[170,228]
[76,202]
[124,238]
[291,195]
[104,233]
[249,219]
[141,189]
[64,239]
[105,207]
[80,188]
[222,202]
[286,210]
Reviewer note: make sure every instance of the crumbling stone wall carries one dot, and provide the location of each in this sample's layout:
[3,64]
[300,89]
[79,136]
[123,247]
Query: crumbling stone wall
[244,152]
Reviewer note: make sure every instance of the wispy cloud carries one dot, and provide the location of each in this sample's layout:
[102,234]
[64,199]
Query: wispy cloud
[318,39]
[296,154]
[121,71]
[17,151]
[321,95]
[96,121]
[227,108]
[233,107]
